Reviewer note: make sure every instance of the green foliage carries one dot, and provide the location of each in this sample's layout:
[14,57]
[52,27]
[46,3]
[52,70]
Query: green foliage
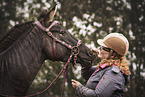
[89,19]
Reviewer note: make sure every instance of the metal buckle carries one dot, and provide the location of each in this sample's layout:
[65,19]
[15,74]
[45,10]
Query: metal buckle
[75,50]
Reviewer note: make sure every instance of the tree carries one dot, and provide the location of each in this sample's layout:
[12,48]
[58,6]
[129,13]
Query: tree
[137,20]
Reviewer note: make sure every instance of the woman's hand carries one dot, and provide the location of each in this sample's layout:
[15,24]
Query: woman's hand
[75,83]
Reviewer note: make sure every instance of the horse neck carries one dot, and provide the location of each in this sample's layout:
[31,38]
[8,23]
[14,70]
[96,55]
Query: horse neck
[21,61]
[28,46]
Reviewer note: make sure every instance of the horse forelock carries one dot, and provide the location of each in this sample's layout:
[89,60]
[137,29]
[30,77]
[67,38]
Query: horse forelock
[14,34]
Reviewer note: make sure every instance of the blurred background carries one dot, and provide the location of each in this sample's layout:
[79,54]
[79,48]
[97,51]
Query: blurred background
[89,19]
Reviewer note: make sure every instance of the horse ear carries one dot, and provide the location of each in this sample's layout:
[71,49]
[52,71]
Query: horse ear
[52,12]
[50,15]
[47,16]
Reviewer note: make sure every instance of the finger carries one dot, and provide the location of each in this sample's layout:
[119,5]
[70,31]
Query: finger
[73,80]
[73,85]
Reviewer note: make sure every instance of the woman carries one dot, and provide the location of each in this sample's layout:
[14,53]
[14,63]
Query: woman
[109,77]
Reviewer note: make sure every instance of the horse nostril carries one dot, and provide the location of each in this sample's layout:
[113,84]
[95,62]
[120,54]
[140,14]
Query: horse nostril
[94,55]
[91,54]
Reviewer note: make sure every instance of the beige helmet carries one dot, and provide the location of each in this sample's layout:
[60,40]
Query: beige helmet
[116,42]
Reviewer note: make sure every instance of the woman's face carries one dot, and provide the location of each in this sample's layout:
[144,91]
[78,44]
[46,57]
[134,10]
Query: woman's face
[104,53]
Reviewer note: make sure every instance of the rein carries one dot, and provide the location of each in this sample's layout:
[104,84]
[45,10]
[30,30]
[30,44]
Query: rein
[63,69]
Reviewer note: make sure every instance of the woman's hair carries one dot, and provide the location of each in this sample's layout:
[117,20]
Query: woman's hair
[121,63]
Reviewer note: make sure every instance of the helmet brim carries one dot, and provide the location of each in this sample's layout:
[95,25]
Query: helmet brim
[101,42]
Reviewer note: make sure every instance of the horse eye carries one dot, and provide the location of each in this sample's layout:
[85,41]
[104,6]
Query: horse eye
[62,32]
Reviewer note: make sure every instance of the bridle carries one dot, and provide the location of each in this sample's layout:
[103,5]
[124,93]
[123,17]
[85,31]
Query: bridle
[74,49]
[74,52]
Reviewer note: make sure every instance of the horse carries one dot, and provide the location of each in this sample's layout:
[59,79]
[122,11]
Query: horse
[28,45]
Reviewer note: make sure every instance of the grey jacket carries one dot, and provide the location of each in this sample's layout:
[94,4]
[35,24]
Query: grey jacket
[103,82]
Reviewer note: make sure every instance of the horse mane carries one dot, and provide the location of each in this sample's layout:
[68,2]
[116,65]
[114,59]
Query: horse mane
[14,34]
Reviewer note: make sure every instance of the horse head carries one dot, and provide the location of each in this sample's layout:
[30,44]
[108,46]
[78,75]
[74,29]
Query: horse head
[59,43]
